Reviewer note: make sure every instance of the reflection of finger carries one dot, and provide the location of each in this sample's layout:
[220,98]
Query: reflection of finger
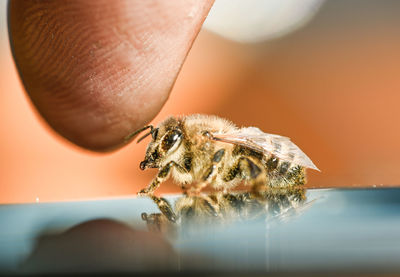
[101,246]
[97,70]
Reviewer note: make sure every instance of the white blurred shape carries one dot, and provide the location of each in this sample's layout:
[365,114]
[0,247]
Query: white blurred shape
[251,21]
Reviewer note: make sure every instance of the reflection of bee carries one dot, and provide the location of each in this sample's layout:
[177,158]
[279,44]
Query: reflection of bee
[205,150]
[280,203]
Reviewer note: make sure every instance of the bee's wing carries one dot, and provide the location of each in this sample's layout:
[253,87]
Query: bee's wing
[259,141]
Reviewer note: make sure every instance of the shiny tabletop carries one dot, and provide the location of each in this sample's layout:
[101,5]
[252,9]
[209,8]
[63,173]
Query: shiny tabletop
[329,230]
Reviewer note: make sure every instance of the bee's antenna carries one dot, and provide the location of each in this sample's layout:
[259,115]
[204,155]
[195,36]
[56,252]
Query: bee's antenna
[153,132]
[128,137]
[142,138]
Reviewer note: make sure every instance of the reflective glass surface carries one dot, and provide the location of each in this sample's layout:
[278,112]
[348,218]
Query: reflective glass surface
[329,230]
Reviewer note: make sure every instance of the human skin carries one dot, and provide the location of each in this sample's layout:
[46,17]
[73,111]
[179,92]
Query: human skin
[98,70]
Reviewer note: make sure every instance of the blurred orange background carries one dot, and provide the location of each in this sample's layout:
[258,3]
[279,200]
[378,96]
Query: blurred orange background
[332,86]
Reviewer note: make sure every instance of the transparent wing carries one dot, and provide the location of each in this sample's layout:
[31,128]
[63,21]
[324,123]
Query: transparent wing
[281,147]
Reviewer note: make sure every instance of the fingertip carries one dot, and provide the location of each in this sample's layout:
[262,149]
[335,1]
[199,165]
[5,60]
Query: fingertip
[98,70]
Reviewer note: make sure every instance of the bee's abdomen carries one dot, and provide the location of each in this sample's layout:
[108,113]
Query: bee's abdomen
[284,173]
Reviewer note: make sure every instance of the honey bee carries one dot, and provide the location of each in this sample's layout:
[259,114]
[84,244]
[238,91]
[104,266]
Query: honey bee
[201,150]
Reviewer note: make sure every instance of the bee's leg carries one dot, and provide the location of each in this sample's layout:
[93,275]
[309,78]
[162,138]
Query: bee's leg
[244,167]
[247,169]
[165,208]
[162,175]
[154,221]
[210,206]
[209,172]
[215,160]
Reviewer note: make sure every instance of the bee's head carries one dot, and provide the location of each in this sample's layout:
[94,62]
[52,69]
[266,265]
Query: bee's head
[166,139]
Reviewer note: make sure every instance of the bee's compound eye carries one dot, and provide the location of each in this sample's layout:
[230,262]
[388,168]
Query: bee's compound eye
[170,139]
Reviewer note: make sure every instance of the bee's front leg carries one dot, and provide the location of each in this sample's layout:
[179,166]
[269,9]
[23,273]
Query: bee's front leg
[165,208]
[162,175]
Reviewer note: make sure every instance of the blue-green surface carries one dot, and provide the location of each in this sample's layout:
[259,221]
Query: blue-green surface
[341,230]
